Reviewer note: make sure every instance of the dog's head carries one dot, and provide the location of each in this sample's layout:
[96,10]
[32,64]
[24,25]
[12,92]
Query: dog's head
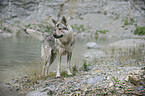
[61,28]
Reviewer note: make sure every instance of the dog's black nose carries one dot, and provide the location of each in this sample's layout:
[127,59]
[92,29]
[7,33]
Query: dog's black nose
[57,36]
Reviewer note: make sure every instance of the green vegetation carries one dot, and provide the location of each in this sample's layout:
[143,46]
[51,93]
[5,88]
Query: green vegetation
[105,12]
[116,18]
[64,74]
[99,11]
[101,32]
[75,69]
[139,31]
[116,81]
[129,21]
[123,26]
[49,28]
[81,18]
[28,25]
[18,32]
[126,28]
[139,38]
[85,67]
[78,28]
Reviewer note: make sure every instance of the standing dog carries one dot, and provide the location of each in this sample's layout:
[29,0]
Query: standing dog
[58,44]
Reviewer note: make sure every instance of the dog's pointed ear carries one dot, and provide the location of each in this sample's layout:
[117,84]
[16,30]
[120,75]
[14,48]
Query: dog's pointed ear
[54,21]
[64,20]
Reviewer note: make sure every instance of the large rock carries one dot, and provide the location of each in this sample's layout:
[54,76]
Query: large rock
[92,45]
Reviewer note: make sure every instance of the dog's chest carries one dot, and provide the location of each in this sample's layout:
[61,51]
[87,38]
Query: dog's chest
[64,44]
[66,41]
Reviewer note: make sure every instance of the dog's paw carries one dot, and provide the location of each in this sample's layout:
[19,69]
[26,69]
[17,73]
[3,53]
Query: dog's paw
[57,76]
[46,74]
[69,73]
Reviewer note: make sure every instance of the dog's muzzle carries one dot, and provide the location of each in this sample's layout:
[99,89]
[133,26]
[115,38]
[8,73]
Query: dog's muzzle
[57,36]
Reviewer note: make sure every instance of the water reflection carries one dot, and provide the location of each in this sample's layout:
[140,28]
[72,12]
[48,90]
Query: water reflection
[17,53]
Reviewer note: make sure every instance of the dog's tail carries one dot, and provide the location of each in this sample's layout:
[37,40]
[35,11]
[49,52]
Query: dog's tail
[35,34]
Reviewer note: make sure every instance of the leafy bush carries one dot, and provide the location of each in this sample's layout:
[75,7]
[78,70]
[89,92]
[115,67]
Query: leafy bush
[139,31]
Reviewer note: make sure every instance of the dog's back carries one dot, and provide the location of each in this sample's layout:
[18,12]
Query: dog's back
[49,43]
[59,43]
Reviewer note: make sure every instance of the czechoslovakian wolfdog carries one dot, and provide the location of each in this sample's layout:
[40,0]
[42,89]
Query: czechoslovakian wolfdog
[59,43]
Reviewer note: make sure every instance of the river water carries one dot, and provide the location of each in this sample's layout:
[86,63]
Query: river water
[18,53]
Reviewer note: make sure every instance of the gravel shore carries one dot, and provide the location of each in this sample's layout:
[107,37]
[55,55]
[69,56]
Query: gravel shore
[109,75]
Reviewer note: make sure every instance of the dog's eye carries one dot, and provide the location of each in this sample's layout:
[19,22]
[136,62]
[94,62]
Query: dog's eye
[59,28]
[65,28]
[57,25]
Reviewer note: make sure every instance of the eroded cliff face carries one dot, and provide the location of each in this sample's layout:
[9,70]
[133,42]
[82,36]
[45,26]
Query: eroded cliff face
[17,9]
[16,14]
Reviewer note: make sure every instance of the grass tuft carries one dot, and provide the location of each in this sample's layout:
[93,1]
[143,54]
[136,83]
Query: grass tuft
[64,74]
[75,70]
[85,67]
[34,72]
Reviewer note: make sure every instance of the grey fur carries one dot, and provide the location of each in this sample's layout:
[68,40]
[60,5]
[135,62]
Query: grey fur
[56,47]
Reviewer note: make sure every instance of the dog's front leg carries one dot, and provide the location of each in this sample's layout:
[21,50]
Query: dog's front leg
[68,62]
[58,64]
[44,65]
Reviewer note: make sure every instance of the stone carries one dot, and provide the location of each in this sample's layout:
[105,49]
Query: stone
[6,34]
[92,45]
[16,84]
[1,31]
[111,84]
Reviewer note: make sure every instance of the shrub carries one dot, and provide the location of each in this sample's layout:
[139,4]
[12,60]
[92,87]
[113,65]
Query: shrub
[139,31]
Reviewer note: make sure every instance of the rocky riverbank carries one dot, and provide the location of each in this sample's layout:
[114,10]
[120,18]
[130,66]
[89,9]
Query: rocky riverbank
[96,82]
[106,79]
[108,72]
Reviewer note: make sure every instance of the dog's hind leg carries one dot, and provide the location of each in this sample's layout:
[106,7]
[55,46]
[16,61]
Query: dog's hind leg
[50,59]
[69,54]
[44,65]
